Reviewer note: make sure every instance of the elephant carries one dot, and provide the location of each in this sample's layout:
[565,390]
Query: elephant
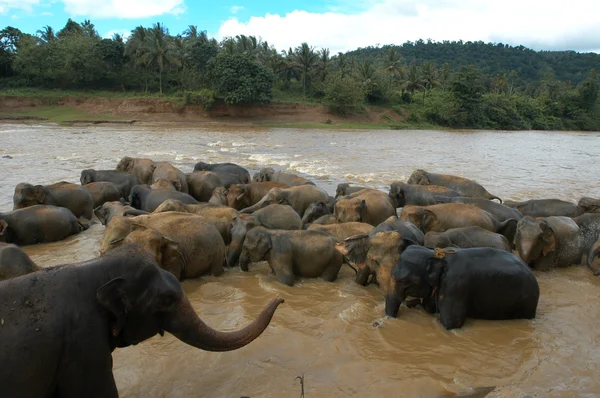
[62,194]
[299,197]
[420,195]
[307,254]
[370,206]
[589,226]
[546,208]
[268,174]
[14,262]
[316,211]
[166,171]
[375,253]
[463,186]
[499,211]
[240,196]
[344,189]
[202,184]
[593,258]
[219,196]
[327,219]
[589,205]
[548,242]
[343,230]
[143,168]
[219,216]
[61,326]
[274,216]
[102,192]
[186,247]
[124,181]
[38,224]
[445,216]
[480,283]
[229,168]
[467,237]
[166,185]
[108,210]
[147,199]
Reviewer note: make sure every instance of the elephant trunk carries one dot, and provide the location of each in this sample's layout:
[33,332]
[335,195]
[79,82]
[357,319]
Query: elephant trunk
[248,210]
[592,257]
[233,253]
[244,261]
[189,328]
[492,197]
[362,275]
[525,250]
[392,302]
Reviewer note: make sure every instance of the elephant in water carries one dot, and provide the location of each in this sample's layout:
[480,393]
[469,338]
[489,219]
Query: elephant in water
[74,316]
[589,205]
[299,197]
[481,283]
[15,262]
[272,217]
[308,254]
[143,168]
[62,194]
[229,168]
[463,186]
[202,184]
[108,210]
[546,208]
[219,196]
[467,237]
[147,199]
[593,260]
[268,174]
[420,195]
[344,189]
[102,192]
[316,211]
[241,196]
[124,181]
[343,230]
[499,211]
[38,224]
[370,206]
[166,185]
[166,171]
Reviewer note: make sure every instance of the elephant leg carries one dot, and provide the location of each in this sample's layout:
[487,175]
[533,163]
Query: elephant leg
[330,273]
[453,312]
[91,376]
[430,305]
[282,265]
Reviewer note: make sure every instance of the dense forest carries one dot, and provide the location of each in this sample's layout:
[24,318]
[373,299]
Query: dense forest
[455,84]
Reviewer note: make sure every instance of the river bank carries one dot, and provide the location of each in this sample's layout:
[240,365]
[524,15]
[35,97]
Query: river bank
[77,108]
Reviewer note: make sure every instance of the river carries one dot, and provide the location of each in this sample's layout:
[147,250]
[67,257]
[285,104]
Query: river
[325,331]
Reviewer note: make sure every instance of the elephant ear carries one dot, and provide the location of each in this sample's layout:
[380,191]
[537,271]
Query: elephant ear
[428,220]
[435,267]
[3,227]
[283,198]
[176,184]
[362,210]
[244,192]
[172,257]
[548,238]
[111,296]
[39,193]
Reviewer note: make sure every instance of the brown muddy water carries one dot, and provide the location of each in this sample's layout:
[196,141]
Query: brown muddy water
[324,330]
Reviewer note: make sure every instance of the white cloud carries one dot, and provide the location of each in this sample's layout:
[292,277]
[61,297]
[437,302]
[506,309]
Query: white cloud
[122,8]
[21,5]
[123,32]
[46,14]
[236,9]
[540,24]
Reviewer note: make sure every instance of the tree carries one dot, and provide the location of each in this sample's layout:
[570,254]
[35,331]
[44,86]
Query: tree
[47,34]
[413,80]
[588,92]
[393,66]
[71,28]
[239,79]
[136,49]
[429,75]
[160,50]
[305,59]
[343,94]
[9,46]
[342,65]
[467,90]
[323,64]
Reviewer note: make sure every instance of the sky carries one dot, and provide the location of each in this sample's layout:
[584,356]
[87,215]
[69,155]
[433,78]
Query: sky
[339,25]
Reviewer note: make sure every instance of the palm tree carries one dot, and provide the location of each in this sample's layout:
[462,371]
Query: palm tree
[413,80]
[136,48]
[160,49]
[342,65]
[393,66]
[323,63]
[287,67]
[47,34]
[305,59]
[429,75]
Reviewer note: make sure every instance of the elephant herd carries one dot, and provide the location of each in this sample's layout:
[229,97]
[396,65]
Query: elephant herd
[437,241]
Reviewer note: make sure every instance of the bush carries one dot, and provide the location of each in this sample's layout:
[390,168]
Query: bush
[204,97]
[343,95]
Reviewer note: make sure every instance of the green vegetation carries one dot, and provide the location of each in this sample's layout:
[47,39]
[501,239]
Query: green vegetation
[59,114]
[450,84]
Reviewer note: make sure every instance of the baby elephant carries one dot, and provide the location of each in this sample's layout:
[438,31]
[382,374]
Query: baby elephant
[14,262]
[62,194]
[308,254]
[482,283]
[467,237]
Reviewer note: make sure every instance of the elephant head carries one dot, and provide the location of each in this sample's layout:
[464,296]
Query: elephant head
[593,259]
[342,190]
[419,177]
[590,205]
[417,274]
[137,194]
[87,176]
[219,196]
[144,300]
[201,166]
[396,194]
[238,196]
[275,195]
[171,205]
[534,239]
[314,211]
[126,164]
[349,210]
[424,219]
[266,174]
[116,231]
[437,239]
[28,195]
[257,244]
[240,226]
[355,249]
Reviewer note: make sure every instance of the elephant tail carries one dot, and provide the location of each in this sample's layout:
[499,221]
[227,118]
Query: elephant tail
[492,197]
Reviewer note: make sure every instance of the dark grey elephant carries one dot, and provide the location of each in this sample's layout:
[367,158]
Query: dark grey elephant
[229,168]
[546,208]
[274,216]
[147,199]
[125,181]
[102,192]
[467,237]
[202,184]
[62,194]
[589,205]
[299,197]
[344,189]
[307,254]
[481,283]
[500,211]
[420,195]
[71,328]
[463,186]
[38,224]
[14,262]
[317,210]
